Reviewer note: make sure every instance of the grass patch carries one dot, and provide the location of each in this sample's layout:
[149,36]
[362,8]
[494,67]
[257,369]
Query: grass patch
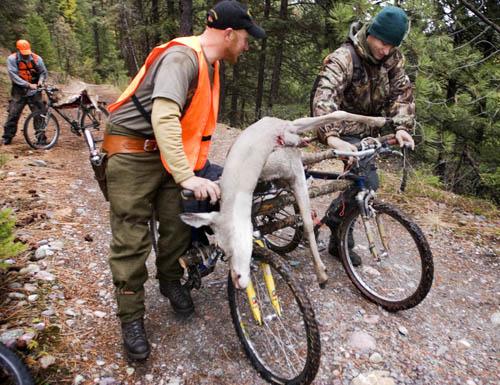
[423,186]
[8,247]
[3,159]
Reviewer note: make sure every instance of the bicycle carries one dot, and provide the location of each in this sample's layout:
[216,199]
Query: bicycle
[41,129]
[397,267]
[273,317]
[12,369]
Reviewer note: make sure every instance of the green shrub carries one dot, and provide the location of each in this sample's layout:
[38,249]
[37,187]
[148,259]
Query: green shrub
[426,177]
[8,247]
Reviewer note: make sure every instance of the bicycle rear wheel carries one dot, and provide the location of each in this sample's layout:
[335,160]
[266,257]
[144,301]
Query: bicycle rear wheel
[285,347]
[401,275]
[12,369]
[285,239]
[41,130]
[95,121]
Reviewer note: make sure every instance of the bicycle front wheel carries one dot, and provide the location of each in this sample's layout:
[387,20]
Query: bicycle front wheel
[41,130]
[12,369]
[396,268]
[282,340]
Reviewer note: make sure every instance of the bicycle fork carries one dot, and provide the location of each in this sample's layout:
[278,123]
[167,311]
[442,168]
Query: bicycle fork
[363,198]
[271,291]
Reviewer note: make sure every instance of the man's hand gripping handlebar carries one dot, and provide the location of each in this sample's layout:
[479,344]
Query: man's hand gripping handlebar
[200,189]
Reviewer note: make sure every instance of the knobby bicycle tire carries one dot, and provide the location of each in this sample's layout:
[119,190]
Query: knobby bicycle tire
[12,369]
[29,127]
[409,261]
[297,313]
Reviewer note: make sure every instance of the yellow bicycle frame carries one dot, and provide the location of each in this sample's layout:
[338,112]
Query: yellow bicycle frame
[271,290]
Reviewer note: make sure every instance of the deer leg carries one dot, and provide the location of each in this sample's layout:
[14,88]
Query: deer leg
[299,186]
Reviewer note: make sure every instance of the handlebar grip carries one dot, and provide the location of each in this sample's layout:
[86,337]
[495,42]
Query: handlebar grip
[187,194]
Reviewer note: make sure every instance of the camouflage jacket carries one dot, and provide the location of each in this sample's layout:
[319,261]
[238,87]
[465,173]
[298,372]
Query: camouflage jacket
[382,88]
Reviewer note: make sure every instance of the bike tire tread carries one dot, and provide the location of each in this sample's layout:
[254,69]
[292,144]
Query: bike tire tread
[425,252]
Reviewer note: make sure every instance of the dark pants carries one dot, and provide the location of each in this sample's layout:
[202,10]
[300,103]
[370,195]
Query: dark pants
[339,206]
[137,183]
[16,105]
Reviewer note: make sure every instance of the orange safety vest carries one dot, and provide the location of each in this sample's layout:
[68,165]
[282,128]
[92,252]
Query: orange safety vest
[199,120]
[27,70]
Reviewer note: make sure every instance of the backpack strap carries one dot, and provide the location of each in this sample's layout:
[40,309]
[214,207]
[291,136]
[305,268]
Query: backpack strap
[357,66]
[33,59]
[311,95]
[146,115]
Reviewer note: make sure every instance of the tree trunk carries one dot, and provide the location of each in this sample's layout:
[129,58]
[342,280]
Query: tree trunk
[278,58]
[155,20]
[223,90]
[233,114]
[127,45]
[186,26]
[242,116]
[95,32]
[262,68]
[170,7]
[146,44]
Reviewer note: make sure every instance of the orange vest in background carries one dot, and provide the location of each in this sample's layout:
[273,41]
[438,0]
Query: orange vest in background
[199,120]
[27,70]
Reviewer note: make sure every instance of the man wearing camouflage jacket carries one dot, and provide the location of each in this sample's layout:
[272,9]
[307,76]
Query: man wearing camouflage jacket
[365,76]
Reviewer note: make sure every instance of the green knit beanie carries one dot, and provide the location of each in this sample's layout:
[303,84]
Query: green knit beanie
[389,25]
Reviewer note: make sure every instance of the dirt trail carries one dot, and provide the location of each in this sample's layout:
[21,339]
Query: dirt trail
[451,338]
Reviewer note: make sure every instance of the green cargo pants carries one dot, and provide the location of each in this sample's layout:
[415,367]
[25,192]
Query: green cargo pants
[136,183]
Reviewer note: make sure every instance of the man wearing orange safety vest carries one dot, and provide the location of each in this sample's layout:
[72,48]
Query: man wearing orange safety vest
[26,71]
[157,142]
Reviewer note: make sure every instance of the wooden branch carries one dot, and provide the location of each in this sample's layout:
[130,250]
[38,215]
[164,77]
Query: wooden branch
[476,12]
[316,157]
[274,205]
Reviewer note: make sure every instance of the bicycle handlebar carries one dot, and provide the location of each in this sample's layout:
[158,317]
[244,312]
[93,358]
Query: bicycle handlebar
[187,194]
[47,88]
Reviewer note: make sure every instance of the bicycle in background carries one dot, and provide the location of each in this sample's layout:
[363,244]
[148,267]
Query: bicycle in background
[41,129]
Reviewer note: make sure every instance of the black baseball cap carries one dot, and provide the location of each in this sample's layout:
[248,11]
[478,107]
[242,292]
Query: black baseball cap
[233,14]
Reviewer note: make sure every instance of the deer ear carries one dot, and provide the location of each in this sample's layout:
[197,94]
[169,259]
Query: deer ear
[199,219]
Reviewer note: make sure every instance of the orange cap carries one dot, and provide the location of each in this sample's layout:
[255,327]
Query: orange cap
[24,47]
